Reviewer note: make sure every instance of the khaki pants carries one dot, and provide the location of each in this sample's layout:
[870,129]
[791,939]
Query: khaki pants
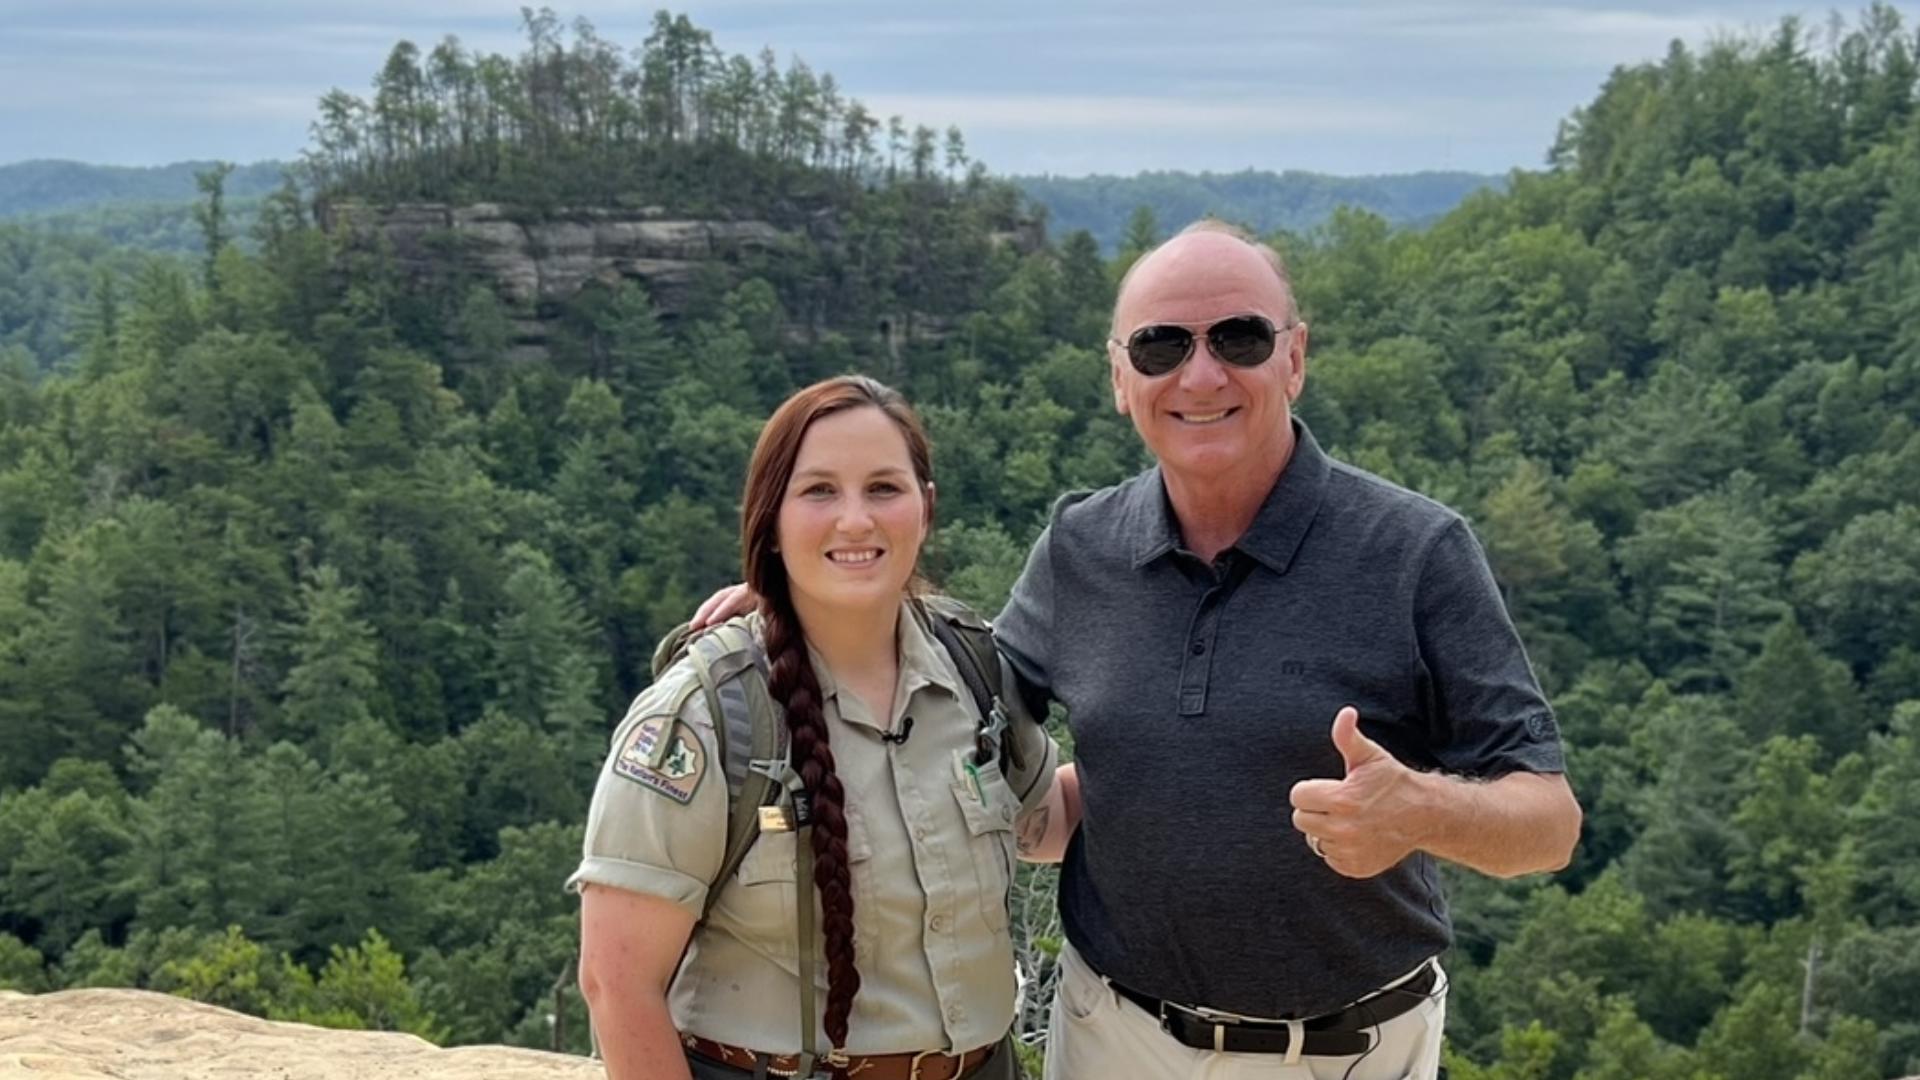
[1098,1035]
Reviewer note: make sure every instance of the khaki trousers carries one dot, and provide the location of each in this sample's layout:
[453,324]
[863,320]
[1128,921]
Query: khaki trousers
[1096,1034]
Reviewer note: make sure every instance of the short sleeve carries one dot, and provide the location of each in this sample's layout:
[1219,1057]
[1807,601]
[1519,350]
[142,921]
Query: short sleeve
[658,820]
[1488,716]
[1024,628]
[1039,755]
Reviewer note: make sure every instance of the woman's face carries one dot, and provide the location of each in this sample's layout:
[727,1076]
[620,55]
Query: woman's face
[854,514]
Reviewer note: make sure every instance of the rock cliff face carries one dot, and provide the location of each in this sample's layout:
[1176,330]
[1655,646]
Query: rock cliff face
[535,264]
[548,260]
[139,1035]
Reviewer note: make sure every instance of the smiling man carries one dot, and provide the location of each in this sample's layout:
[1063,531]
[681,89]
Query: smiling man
[1292,687]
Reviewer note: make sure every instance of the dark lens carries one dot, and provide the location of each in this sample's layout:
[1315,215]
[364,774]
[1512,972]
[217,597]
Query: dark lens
[1156,350]
[1243,341]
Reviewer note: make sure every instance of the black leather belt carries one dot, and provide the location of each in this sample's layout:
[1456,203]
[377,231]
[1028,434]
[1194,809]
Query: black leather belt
[1339,1034]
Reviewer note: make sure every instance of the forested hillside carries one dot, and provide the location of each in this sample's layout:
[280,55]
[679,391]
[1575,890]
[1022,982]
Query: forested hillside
[51,187]
[316,610]
[159,216]
[1265,201]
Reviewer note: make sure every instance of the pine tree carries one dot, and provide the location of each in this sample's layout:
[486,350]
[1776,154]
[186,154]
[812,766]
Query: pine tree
[335,654]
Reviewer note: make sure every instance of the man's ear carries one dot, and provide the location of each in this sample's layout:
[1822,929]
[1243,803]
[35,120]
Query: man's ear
[1115,353]
[1297,361]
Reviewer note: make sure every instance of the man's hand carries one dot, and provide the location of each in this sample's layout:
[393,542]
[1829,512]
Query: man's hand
[723,605]
[1364,824]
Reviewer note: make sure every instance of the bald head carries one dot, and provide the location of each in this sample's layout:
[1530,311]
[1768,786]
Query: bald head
[1220,429]
[1209,260]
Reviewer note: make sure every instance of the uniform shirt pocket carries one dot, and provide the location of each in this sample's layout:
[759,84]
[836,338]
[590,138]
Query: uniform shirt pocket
[757,906]
[760,901]
[988,806]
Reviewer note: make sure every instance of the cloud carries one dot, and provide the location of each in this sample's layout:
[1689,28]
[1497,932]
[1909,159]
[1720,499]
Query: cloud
[1145,115]
[1078,85]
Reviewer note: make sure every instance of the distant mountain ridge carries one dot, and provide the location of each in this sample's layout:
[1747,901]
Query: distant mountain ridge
[1292,200]
[1265,201]
[49,187]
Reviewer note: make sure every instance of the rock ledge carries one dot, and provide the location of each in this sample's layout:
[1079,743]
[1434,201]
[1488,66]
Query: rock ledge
[141,1035]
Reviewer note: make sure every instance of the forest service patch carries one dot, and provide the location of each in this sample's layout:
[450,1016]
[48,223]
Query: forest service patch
[660,756]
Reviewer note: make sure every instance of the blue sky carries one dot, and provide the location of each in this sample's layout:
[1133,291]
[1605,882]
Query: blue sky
[1062,86]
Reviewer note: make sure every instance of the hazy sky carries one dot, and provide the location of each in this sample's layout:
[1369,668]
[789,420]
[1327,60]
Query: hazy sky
[1063,86]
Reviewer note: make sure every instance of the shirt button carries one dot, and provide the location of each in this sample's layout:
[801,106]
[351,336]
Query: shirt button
[937,924]
[956,1014]
[1199,647]
[920,833]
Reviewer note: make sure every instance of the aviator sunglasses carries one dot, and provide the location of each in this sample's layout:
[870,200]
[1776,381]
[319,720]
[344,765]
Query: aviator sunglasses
[1241,340]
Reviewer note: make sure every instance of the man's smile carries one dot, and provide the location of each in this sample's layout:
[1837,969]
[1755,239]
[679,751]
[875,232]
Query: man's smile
[1204,417]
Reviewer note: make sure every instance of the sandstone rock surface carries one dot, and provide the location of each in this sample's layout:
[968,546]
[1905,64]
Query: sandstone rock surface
[140,1035]
[550,259]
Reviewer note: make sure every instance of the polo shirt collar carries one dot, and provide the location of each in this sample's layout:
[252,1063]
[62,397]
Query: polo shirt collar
[1278,528]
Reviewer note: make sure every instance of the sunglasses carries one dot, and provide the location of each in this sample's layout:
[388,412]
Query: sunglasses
[1242,340]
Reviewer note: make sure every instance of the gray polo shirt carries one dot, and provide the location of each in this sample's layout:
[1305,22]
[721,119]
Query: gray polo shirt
[1198,694]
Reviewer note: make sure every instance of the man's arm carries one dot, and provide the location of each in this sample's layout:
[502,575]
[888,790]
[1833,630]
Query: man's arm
[1521,823]
[1382,811]
[1043,832]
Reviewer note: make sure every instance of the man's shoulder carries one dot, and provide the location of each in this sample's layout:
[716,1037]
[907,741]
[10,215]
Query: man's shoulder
[1098,510]
[1371,497]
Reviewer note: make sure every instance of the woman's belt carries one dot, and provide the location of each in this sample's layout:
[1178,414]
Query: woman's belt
[924,1065]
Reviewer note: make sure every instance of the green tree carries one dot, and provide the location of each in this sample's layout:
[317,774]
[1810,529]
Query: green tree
[333,676]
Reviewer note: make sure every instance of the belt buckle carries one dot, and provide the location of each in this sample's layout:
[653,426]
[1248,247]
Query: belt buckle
[913,1066]
[1212,1016]
[1220,1022]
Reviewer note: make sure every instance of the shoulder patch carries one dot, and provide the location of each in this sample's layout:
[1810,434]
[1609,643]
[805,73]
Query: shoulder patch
[661,757]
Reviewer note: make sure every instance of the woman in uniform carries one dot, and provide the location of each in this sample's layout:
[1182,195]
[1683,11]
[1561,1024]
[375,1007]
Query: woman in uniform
[912,846]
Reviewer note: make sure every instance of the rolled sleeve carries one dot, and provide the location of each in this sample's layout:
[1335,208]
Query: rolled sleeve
[646,840]
[1042,755]
[1488,714]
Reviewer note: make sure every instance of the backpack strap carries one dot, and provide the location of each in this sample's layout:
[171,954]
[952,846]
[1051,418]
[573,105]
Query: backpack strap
[749,738]
[752,746]
[969,640]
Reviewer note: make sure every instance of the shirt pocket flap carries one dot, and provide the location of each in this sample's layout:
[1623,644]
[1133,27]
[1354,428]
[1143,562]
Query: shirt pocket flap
[770,859]
[986,802]
[772,854]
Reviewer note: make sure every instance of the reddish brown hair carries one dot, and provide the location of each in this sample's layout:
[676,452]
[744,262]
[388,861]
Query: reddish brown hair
[791,679]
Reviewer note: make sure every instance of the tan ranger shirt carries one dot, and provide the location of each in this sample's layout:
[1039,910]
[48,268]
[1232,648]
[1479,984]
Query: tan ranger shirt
[932,852]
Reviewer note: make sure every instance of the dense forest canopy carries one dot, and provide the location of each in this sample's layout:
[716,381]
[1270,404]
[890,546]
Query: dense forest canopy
[575,119]
[316,607]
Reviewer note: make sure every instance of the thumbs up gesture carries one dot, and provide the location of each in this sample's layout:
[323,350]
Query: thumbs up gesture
[1364,823]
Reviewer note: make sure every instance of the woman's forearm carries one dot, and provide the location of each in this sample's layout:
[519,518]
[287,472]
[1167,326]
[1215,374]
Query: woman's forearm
[637,1037]
[630,944]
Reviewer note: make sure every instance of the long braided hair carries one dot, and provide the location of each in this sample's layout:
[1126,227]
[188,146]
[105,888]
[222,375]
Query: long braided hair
[791,679]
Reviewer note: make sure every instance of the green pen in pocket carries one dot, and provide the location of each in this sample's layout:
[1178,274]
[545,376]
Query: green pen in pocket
[970,776]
